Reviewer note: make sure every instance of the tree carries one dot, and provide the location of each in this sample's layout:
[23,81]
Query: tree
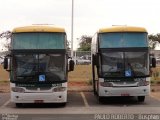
[85,43]
[7,37]
[154,40]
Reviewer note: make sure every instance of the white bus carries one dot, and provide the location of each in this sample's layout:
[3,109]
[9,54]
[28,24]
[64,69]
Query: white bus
[120,62]
[38,65]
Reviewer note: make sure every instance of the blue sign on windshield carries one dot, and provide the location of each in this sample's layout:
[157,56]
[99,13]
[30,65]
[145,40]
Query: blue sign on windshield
[41,78]
[128,73]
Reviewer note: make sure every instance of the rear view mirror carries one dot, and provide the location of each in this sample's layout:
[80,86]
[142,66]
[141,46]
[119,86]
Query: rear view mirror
[153,60]
[6,64]
[71,65]
[97,59]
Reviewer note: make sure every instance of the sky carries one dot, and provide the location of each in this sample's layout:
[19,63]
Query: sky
[89,15]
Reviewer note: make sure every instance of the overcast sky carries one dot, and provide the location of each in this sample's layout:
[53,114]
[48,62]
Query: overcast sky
[89,15]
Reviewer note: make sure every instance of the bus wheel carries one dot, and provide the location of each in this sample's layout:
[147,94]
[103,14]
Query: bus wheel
[141,98]
[19,105]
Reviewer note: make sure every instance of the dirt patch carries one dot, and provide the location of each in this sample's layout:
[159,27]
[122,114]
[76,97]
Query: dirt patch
[79,86]
[70,84]
[155,88]
[155,92]
[4,75]
[156,95]
[4,87]
[81,73]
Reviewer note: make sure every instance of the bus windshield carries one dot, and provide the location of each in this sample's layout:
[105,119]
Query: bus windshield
[120,40]
[124,64]
[39,67]
[40,40]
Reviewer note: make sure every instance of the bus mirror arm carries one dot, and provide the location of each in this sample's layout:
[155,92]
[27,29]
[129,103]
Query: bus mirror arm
[71,65]
[97,59]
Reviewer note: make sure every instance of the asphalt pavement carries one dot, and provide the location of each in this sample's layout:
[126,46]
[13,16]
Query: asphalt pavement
[80,105]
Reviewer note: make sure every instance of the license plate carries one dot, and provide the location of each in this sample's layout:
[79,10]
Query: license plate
[125,94]
[38,101]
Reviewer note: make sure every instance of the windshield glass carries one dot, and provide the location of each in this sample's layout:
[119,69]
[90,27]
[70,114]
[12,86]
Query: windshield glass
[39,67]
[124,64]
[112,64]
[119,40]
[40,40]
[136,64]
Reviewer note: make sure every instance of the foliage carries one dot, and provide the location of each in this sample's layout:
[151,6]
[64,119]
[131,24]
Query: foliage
[85,43]
[154,40]
[6,36]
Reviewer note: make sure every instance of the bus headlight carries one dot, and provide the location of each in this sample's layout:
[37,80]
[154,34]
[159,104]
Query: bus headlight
[18,89]
[106,84]
[143,83]
[59,89]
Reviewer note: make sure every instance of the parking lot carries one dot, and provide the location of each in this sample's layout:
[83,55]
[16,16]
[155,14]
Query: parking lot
[86,100]
[80,105]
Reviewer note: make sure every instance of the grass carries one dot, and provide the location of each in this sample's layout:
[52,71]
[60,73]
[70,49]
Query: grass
[155,79]
[81,73]
[155,82]
[155,73]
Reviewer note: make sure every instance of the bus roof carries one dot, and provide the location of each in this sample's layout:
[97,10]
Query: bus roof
[122,29]
[38,28]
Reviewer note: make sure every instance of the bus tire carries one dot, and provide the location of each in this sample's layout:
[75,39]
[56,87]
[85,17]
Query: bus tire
[19,105]
[141,98]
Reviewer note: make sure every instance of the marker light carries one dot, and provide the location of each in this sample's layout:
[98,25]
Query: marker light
[59,89]
[18,89]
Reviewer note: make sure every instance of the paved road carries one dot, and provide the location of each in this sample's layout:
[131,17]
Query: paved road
[81,105]
[49,117]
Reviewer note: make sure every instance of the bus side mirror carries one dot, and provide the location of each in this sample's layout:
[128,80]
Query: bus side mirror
[97,59]
[6,64]
[153,62]
[71,65]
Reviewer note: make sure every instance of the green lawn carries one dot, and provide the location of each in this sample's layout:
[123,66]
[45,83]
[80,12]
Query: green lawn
[81,73]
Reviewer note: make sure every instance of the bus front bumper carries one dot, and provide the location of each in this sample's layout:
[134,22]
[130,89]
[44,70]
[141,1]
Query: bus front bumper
[58,97]
[124,91]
